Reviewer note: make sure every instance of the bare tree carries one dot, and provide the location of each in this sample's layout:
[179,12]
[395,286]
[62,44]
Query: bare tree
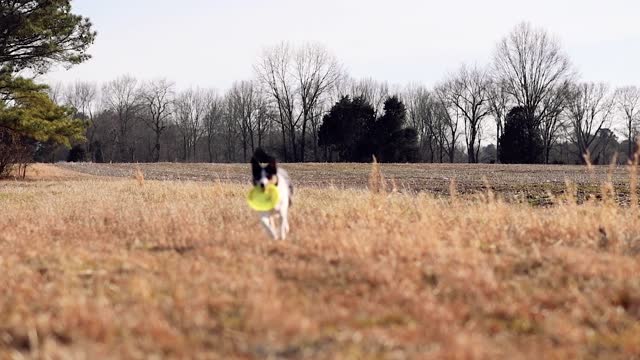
[531,66]
[340,89]
[121,96]
[297,80]
[590,109]
[450,130]
[315,120]
[244,97]
[374,92]
[554,120]
[190,110]
[413,98]
[56,92]
[230,131]
[440,126]
[83,98]
[468,92]
[316,72]
[499,108]
[156,101]
[274,73]
[426,115]
[628,102]
[213,121]
[103,133]
[265,117]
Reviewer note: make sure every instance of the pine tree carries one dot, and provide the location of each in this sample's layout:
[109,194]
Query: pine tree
[521,141]
[37,34]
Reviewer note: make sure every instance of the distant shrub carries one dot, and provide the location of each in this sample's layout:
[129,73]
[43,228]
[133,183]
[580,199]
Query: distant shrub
[16,153]
[77,154]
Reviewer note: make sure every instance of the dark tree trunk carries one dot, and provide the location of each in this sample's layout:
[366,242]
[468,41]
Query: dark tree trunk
[497,159]
[156,155]
[209,148]
[292,139]
[304,137]
[284,142]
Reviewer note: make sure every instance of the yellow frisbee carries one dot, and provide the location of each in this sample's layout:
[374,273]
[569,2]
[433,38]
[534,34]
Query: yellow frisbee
[266,200]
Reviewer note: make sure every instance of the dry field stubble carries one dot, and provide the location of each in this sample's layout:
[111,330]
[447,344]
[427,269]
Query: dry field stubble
[535,184]
[98,267]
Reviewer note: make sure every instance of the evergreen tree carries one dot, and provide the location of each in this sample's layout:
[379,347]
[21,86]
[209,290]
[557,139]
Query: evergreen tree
[521,141]
[390,142]
[31,113]
[352,129]
[39,33]
[344,127]
[77,154]
[35,35]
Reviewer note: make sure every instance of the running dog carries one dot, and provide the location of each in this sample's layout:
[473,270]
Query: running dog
[266,171]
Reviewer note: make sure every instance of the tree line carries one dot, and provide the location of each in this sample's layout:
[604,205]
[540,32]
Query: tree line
[302,105]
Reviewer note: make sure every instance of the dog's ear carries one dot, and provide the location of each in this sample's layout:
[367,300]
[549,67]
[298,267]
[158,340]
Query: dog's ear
[256,169]
[261,156]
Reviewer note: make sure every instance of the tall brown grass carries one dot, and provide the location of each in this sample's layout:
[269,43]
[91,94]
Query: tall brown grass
[377,183]
[607,189]
[139,176]
[96,268]
[633,175]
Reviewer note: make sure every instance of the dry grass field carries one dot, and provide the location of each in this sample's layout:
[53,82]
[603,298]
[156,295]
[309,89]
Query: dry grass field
[96,263]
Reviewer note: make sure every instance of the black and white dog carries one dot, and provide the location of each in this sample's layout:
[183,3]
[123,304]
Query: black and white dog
[265,171]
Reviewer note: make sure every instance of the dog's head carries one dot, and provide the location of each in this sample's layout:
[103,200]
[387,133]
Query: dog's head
[264,169]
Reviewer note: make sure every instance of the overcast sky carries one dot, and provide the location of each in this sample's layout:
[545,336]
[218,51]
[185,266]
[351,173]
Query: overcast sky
[211,43]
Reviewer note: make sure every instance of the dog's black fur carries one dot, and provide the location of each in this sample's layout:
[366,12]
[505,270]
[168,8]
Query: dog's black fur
[261,157]
[271,169]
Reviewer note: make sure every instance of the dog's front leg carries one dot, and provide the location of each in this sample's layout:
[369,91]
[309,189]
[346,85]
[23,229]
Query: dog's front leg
[267,222]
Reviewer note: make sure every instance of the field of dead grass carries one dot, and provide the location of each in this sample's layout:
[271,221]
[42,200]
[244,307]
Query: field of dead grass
[97,267]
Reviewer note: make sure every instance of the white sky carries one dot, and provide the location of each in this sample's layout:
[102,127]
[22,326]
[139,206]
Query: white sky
[212,43]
